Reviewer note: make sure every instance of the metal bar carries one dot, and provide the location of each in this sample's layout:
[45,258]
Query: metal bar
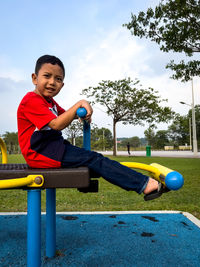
[3,151]
[195,148]
[50,222]
[86,135]
[35,180]
[34,228]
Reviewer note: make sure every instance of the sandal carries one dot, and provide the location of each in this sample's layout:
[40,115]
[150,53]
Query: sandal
[156,193]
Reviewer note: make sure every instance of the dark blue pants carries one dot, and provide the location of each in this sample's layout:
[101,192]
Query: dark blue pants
[110,170]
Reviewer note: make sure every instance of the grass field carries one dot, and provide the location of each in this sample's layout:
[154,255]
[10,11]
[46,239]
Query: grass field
[111,197]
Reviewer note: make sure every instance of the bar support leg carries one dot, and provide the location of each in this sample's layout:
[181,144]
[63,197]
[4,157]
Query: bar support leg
[34,228]
[86,136]
[50,222]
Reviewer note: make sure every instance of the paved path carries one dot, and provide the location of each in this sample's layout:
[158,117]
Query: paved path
[175,154]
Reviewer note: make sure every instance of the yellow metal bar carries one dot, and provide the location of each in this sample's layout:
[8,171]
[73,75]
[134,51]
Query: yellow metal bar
[3,151]
[164,170]
[157,171]
[140,166]
[30,181]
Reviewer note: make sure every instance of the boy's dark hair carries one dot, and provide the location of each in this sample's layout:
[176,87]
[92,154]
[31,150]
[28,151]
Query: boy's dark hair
[48,59]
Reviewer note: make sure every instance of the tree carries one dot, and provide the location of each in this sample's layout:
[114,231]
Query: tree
[11,140]
[134,141]
[179,131]
[161,139]
[174,25]
[128,104]
[101,139]
[150,135]
[73,130]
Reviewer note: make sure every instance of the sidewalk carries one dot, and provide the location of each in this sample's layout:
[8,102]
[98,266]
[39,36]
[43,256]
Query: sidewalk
[170,154]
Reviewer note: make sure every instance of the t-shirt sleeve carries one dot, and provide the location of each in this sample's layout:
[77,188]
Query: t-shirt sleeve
[59,108]
[37,111]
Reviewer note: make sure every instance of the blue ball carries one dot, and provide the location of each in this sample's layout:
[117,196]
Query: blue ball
[81,112]
[174,180]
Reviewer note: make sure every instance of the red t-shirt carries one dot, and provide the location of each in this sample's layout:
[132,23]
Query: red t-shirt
[41,146]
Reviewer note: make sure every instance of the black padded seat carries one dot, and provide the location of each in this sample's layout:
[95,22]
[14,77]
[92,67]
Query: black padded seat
[53,178]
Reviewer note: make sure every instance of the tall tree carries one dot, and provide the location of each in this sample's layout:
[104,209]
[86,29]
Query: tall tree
[161,139]
[74,130]
[150,134]
[174,25]
[101,139]
[127,102]
[180,129]
[135,141]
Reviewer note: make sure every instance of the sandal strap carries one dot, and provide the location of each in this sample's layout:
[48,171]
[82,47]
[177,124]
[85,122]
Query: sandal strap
[156,193]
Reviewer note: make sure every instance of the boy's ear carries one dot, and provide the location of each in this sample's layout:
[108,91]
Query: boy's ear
[34,78]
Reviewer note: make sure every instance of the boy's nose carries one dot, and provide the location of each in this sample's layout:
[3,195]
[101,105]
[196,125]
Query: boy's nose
[52,81]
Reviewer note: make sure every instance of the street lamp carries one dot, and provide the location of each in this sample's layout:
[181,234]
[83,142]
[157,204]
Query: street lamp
[195,149]
[190,132]
[103,139]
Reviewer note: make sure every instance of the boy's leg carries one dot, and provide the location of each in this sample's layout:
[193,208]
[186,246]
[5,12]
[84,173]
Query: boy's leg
[110,170]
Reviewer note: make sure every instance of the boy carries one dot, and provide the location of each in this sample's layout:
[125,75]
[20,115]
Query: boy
[40,121]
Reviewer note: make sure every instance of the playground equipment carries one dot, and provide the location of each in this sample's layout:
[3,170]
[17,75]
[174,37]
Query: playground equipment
[173,180]
[34,180]
[3,151]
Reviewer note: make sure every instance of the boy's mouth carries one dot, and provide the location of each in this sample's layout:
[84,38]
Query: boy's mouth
[50,89]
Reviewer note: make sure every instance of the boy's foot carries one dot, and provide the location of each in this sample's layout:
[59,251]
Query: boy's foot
[154,190]
[152,185]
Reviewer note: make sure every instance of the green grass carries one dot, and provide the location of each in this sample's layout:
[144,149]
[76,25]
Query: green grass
[113,198]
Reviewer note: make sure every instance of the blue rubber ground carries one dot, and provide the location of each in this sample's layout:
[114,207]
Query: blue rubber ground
[108,240]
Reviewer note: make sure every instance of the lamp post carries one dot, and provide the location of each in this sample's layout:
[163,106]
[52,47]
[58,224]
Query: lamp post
[103,140]
[195,149]
[190,131]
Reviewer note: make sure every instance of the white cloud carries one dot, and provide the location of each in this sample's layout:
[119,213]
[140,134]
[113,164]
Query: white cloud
[113,55]
[11,95]
[7,70]
[116,56]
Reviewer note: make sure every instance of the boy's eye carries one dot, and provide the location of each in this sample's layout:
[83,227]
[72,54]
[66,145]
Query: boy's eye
[59,79]
[46,75]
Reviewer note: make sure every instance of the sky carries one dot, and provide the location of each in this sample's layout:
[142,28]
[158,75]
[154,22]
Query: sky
[89,38]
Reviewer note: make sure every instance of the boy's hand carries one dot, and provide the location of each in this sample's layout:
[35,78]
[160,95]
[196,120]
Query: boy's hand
[63,120]
[85,104]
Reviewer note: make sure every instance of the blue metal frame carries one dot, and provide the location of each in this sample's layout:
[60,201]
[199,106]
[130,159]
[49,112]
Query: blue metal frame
[34,228]
[86,136]
[34,217]
[50,222]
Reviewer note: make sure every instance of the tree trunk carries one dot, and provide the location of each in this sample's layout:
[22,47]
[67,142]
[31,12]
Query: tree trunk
[114,139]
[73,139]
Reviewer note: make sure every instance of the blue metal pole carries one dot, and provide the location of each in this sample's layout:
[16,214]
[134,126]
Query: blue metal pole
[86,136]
[50,222]
[34,228]
[81,112]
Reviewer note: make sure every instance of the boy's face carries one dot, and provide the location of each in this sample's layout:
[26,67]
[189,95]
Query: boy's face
[49,80]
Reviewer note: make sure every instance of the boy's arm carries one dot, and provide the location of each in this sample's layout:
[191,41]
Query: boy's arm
[63,120]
